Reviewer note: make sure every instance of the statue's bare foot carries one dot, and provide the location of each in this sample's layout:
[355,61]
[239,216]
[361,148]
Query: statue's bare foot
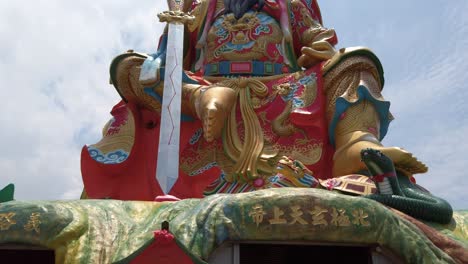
[403,159]
[348,161]
[214,106]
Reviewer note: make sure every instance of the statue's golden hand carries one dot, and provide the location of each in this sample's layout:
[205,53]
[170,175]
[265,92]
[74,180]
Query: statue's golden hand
[213,104]
[316,52]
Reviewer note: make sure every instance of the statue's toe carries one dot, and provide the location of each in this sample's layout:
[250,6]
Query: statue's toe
[404,160]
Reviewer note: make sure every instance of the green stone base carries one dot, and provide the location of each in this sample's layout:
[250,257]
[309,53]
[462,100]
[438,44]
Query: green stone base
[106,231]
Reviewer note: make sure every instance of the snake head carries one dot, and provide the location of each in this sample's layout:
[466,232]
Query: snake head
[376,162]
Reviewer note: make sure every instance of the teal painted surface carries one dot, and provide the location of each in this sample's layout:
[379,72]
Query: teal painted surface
[7,193]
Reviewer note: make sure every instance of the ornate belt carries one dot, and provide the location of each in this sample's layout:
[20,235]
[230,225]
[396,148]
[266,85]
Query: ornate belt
[254,68]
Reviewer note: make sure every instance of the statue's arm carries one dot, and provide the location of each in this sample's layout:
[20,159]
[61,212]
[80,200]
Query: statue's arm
[313,42]
[151,68]
[126,76]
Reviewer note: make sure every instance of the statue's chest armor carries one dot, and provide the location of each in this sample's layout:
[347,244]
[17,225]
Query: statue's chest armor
[255,36]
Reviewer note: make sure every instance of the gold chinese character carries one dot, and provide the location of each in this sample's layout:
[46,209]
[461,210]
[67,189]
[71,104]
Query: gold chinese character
[257,214]
[296,215]
[33,223]
[6,221]
[339,218]
[360,218]
[318,217]
[277,220]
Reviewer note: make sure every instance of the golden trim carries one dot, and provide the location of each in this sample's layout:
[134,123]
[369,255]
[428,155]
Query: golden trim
[345,52]
[123,139]
[33,223]
[309,157]
[127,82]
[306,151]
[250,155]
[344,79]
[359,117]
[6,221]
[176,17]
[200,14]
[278,124]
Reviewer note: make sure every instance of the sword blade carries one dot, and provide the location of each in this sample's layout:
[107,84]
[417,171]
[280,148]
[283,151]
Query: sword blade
[167,170]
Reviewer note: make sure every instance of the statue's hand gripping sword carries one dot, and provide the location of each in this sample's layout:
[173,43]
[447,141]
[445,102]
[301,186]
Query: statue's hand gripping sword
[167,170]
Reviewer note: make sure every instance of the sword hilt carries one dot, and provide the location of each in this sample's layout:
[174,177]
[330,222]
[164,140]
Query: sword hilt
[176,13]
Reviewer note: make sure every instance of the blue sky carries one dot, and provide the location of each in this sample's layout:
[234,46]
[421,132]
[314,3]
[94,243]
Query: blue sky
[54,82]
[423,50]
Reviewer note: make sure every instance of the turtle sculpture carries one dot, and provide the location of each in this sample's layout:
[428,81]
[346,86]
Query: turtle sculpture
[353,184]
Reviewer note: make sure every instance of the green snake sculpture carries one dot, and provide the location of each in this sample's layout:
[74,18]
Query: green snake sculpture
[397,191]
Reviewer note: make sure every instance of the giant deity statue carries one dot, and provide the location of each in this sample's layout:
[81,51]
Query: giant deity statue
[267,101]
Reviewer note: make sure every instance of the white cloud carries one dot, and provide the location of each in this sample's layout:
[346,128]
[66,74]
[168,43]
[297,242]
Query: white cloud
[430,100]
[55,85]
